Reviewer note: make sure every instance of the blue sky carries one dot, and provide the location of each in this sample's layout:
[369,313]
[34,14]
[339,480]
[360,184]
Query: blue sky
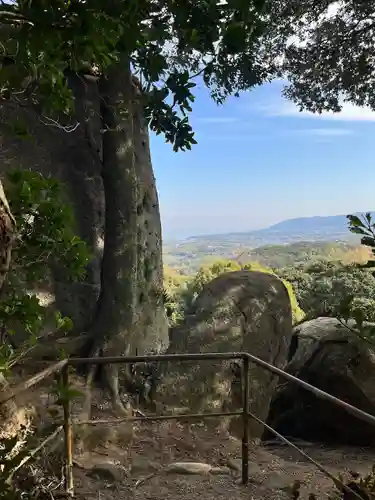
[259,160]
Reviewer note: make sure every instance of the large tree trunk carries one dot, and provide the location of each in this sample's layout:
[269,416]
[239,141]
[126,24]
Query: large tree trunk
[130,316]
[151,326]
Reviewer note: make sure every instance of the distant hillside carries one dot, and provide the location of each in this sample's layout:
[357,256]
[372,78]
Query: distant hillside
[279,256]
[187,258]
[337,224]
[285,243]
[328,228]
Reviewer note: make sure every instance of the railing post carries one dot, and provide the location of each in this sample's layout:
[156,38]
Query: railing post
[245,418]
[68,434]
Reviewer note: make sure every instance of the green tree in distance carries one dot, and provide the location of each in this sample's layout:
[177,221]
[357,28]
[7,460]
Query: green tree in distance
[333,289]
[207,273]
[175,285]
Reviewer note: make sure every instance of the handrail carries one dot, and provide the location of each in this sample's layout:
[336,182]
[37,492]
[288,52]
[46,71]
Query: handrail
[367,417]
[246,414]
[35,379]
[196,356]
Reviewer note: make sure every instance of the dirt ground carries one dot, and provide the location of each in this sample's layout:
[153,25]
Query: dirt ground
[272,469]
[116,464]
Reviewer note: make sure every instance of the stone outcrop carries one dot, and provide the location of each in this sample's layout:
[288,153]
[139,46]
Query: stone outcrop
[238,311]
[333,358]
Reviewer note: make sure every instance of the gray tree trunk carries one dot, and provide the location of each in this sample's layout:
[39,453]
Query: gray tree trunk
[130,315]
[151,326]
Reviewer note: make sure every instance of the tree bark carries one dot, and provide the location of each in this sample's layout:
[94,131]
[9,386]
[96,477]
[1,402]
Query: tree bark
[130,317]
[151,322]
[115,309]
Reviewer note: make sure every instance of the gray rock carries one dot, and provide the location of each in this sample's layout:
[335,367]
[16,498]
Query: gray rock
[141,465]
[238,311]
[109,472]
[254,469]
[277,480]
[331,357]
[188,468]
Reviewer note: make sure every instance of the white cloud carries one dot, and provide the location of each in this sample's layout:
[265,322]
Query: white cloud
[230,138]
[326,132]
[349,112]
[217,119]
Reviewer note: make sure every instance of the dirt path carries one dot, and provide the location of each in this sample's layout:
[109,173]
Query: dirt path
[272,469]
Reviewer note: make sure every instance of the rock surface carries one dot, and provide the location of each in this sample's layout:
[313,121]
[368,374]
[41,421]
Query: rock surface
[238,311]
[331,357]
[104,468]
[109,472]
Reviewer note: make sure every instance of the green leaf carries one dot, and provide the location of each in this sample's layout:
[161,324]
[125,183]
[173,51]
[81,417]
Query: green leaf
[357,230]
[368,241]
[354,221]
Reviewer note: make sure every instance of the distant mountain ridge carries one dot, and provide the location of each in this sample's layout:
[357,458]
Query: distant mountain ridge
[328,227]
[274,245]
[316,224]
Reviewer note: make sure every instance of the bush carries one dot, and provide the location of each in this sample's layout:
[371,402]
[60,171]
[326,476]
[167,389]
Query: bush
[45,237]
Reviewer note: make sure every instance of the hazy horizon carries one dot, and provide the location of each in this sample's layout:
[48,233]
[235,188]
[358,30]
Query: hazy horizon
[259,161]
[185,237]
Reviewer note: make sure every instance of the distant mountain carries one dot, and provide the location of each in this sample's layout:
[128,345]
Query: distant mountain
[316,224]
[276,245]
[327,228]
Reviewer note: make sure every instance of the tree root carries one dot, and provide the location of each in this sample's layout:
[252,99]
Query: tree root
[111,374]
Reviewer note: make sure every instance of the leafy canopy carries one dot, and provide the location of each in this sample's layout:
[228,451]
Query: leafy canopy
[166,42]
[324,49]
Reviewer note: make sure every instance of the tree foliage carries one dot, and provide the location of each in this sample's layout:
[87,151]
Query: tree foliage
[324,50]
[175,285]
[365,227]
[165,42]
[45,237]
[184,295]
[335,290]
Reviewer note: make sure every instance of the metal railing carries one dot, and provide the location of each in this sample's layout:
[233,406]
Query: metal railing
[246,358]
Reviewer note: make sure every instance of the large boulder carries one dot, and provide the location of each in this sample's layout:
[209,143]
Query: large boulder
[329,355]
[238,311]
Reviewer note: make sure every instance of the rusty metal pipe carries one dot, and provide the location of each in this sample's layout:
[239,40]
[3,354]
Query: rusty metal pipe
[367,417]
[156,357]
[152,418]
[245,418]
